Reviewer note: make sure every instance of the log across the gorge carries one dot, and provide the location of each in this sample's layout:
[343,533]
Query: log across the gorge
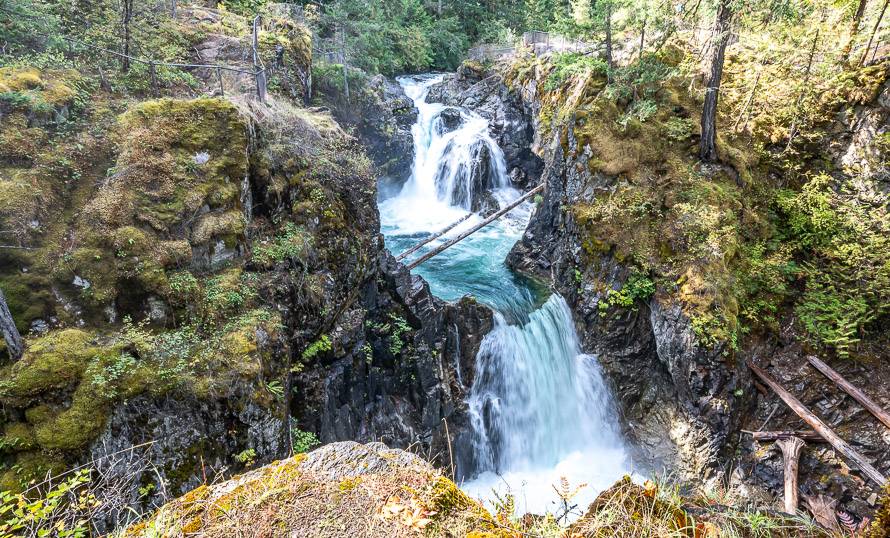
[475,228]
[833,439]
[433,237]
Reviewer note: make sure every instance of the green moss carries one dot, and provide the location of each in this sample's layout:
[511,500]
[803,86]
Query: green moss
[38,91]
[29,466]
[28,297]
[176,157]
[51,362]
[291,242]
[76,426]
[17,437]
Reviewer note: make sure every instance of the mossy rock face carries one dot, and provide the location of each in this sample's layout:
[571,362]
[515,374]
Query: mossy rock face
[172,199]
[50,363]
[40,94]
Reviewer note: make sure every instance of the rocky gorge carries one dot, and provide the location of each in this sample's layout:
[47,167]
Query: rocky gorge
[208,288]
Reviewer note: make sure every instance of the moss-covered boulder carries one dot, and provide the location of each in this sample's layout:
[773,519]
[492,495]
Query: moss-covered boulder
[341,489]
[173,199]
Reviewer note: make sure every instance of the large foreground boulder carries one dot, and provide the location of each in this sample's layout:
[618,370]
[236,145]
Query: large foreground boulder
[341,489]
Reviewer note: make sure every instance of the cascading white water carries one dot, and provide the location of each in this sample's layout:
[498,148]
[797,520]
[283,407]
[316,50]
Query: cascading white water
[539,408]
[452,165]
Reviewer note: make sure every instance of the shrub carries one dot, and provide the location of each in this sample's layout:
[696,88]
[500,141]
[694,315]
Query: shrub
[638,287]
[302,441]
[569,64]
[845,245]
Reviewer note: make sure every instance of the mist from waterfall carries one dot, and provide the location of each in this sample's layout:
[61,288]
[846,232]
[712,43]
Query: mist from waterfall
[539,408]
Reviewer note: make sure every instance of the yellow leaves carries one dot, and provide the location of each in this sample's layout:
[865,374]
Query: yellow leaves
[650,489]
[411,513]
[706,529]
[565,491]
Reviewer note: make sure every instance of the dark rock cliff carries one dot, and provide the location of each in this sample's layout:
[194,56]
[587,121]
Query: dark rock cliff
[682,410]
[683,389]
[220,300]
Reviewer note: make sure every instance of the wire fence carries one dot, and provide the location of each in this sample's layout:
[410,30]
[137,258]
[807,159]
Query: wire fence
[537,41]
[138,28]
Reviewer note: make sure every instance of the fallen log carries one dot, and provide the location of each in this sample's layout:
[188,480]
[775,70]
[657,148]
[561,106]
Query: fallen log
[433,237]
[853,391]
[482,224]
[806,435]
[791,448]
[827,433]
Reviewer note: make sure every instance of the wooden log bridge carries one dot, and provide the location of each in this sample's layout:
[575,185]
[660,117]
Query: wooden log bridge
[853,391]
[821,428]
[484,223]
[433,237]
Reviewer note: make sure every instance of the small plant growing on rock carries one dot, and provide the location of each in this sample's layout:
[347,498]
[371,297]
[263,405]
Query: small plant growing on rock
[246,457]
[302,441]
[322,345]
[638,286]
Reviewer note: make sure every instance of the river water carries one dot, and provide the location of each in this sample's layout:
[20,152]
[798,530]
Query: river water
[539,408]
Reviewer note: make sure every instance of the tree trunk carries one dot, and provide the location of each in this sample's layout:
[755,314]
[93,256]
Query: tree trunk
[609,40]
[128,14]
[873,32]
[14,343]
[708,149]
[803,90]
[854,29]
[642,40]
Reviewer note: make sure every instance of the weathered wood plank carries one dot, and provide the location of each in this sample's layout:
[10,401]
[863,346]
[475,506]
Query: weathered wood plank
[791,448]
[852,390]
[806,435]
[827,433]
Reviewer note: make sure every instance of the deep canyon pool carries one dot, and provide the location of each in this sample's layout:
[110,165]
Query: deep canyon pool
[539,408]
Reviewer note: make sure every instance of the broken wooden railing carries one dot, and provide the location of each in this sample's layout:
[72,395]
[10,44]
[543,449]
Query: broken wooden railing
[467,233]
[821,428]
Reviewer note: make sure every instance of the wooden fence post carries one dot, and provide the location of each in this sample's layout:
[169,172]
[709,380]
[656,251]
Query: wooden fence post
[341,38]
[154,78]
[222,91]
[257,62]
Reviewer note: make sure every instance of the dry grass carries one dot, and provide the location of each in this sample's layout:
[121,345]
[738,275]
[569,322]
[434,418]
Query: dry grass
[658,510]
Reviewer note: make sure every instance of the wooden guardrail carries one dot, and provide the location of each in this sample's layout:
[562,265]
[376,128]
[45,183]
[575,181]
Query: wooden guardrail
[539,42]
